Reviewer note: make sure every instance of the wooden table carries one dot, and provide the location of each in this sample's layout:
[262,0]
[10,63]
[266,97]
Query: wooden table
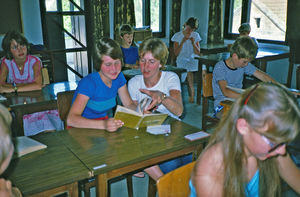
[34,101]
[49,171]
[263,56]
[110,155]
[129,73]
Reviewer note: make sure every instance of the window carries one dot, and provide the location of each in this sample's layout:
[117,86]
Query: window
[151,13]
[267,18]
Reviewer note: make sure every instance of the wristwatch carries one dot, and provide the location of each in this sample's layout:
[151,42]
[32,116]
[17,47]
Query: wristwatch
[164,97]
[15,87]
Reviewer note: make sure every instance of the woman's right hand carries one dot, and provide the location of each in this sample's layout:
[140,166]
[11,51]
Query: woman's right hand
[112,124]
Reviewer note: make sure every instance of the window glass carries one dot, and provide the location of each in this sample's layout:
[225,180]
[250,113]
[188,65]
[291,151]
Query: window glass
[138,11]
[155,14]
[51,5]
[268,19]
[236,15]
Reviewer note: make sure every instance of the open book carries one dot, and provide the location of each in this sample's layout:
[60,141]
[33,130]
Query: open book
[136,120]
[25,145]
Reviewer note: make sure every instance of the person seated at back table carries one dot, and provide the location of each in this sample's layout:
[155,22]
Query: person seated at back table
[246,155]
[163,88]
[6,153]
[230,72]
[96,93]
[130,53]
[21,72]
[245,30]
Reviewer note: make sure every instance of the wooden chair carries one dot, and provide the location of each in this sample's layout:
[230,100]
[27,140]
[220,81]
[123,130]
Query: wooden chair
[176,182]
[207,93]
[64,102]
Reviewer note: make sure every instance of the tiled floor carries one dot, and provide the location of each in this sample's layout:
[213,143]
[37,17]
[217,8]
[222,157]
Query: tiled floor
[192,116]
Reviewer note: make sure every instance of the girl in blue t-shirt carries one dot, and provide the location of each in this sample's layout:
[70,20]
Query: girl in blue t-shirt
[96,93]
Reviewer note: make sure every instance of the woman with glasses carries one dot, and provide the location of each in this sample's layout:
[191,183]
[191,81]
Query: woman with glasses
[247,155]
[162,87]
[20,71]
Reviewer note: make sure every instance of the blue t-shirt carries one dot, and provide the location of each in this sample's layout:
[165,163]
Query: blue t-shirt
[101,97]
[234,78]
[130,55]
[251,189]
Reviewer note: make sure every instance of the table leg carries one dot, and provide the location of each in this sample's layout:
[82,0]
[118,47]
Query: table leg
[101,185]
[290,72]
[199,82]
[263,65]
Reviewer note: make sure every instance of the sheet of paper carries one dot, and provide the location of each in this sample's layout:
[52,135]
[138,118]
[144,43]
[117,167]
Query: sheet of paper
[159,129]
[2,98]
[196,136]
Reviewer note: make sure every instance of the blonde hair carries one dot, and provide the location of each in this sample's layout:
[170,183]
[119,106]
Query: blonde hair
[5,133]
[157,47]
[267,104]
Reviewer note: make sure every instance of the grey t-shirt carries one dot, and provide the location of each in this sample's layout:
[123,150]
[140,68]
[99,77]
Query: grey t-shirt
[234,78]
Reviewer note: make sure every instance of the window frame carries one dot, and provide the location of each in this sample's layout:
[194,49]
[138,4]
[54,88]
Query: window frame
[245,17]
[162,21]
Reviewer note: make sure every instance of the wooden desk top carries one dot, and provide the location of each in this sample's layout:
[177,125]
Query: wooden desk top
[262,54]
[103,152]
[48,168]
[46,95]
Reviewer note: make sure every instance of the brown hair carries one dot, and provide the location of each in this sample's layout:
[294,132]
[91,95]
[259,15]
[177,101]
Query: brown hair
[244,47]
[125,29]
[106,47]
[192,22]
[8,38]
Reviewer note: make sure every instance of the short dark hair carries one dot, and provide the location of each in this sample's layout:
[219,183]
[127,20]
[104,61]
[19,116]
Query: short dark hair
[192,22]
[13,35]
[125,29]
[106,47]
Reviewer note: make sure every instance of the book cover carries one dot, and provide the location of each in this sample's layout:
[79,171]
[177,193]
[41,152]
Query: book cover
[135,120]
[25,145]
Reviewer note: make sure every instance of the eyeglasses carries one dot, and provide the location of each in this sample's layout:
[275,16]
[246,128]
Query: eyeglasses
[271,144]
[150,61]
[16,47]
